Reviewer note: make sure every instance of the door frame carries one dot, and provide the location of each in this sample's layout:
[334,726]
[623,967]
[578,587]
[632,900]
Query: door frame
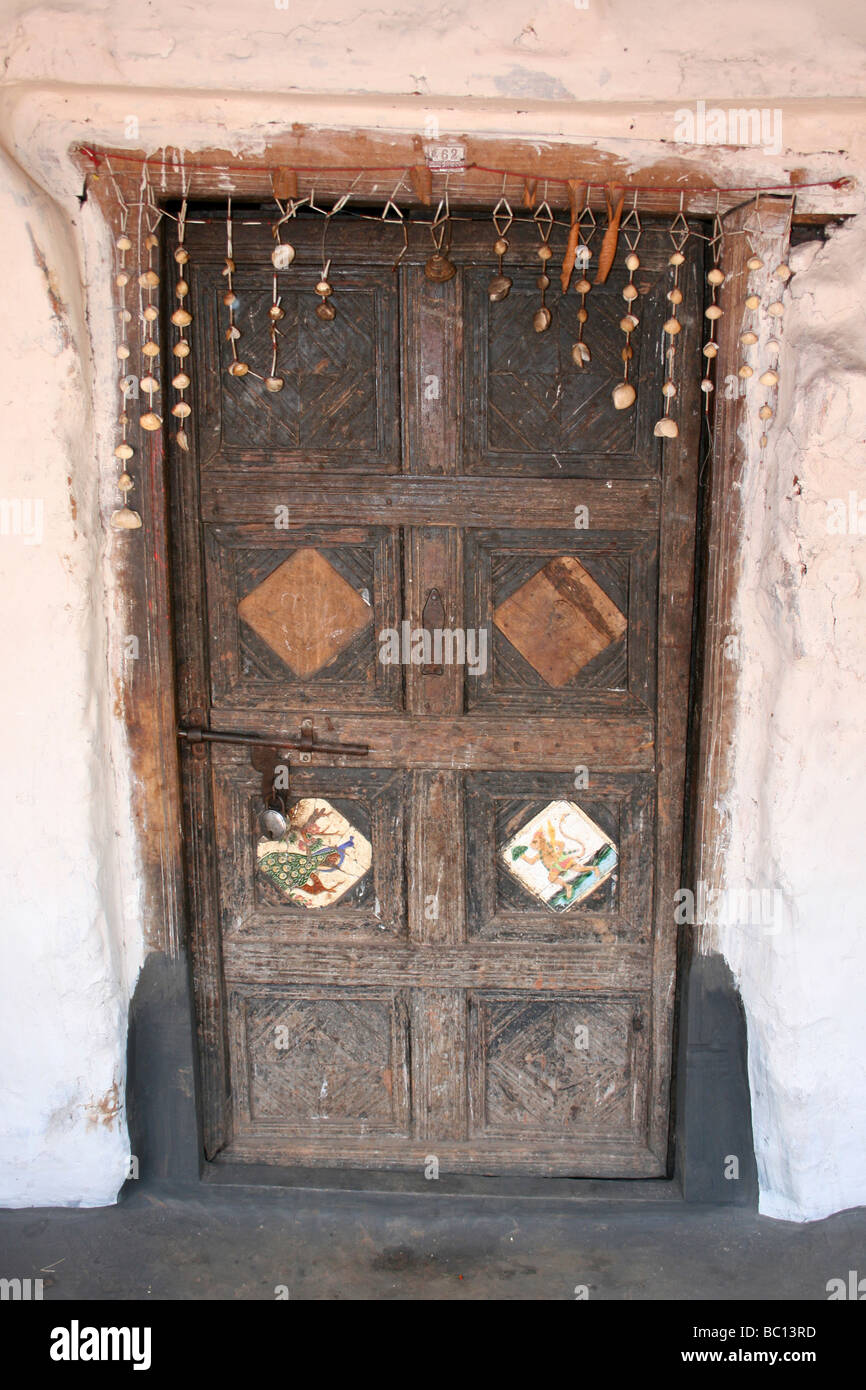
[162,1085]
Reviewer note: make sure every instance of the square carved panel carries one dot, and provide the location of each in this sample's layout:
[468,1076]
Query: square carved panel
[559,1065]
[306,612]
[320,1059]
[560,619]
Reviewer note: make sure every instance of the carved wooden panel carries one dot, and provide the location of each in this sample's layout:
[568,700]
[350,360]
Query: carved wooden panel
[295,616]
[320,1060]
[339,405]
[557,1064]
[572,619]
[499,804]
[532,411]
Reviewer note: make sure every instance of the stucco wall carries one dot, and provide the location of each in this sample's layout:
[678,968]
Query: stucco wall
[198,76]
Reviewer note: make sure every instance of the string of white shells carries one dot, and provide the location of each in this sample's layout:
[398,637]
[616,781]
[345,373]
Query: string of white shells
[237,367]
[181,319]
[624,392]
[123,518]
[586,225]
[544,222]
[715,280]
[666,427]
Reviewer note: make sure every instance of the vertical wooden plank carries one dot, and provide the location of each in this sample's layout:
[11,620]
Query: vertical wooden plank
[433,561]
[433,342]
[680,460]
[716,661]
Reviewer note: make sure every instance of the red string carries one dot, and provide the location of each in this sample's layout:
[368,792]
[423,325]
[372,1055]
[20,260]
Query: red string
[323,171]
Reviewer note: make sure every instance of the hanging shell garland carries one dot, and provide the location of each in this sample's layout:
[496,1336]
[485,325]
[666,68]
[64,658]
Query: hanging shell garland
[502,219]
[666,427]
[124,518]
[624,393]
[544,221]
[586,228]
[181,319]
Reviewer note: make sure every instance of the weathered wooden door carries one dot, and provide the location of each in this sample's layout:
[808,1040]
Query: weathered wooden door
[465,946]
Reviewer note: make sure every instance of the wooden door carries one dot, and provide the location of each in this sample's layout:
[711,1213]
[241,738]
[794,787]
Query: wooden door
[476,960]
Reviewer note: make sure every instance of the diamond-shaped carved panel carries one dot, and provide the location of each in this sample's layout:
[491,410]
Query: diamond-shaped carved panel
[320,857]
[560,620]
[306,612]
[560,856]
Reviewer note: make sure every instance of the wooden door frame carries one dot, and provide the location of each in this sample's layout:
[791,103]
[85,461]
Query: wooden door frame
[163,1084]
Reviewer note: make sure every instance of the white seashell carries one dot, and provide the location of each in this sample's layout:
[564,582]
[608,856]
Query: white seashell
[181,317]
[707,385]
[125,483]
[124,451]
[754,263]
[541,320]
[669,389]
[776,309]
[632,261]
[711,349]
[753,301]
[282,256]
[125,520]
[673,327]
[181,348]
[716,276]
[675,295]
[150,313]
[148,279]
[273,383]
[180,382]
[713,312]
[676,259]
[783,271]
[181,409]
[238,368]
[745,371]
[623,395]
[150,420]
[580,354]
[769,378]
[182,440]
[765,413]
[630,292]
[666,428]
[747,339]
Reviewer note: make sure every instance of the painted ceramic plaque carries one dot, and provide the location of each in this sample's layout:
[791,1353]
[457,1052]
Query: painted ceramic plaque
[561,856]
[320,857]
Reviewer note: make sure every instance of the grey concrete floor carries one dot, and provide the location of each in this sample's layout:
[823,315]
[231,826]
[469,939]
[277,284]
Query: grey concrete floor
[241,1243]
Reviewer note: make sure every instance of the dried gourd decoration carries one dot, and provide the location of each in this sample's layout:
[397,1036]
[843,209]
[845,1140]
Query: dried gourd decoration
[624,393]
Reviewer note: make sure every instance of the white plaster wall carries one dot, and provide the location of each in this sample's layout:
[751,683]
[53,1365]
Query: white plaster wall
[198,76]
[797,806]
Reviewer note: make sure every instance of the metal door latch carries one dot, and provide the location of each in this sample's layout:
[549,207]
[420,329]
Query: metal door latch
[306,742]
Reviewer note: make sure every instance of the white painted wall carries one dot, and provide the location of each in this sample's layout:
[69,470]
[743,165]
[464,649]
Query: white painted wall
[198,76]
